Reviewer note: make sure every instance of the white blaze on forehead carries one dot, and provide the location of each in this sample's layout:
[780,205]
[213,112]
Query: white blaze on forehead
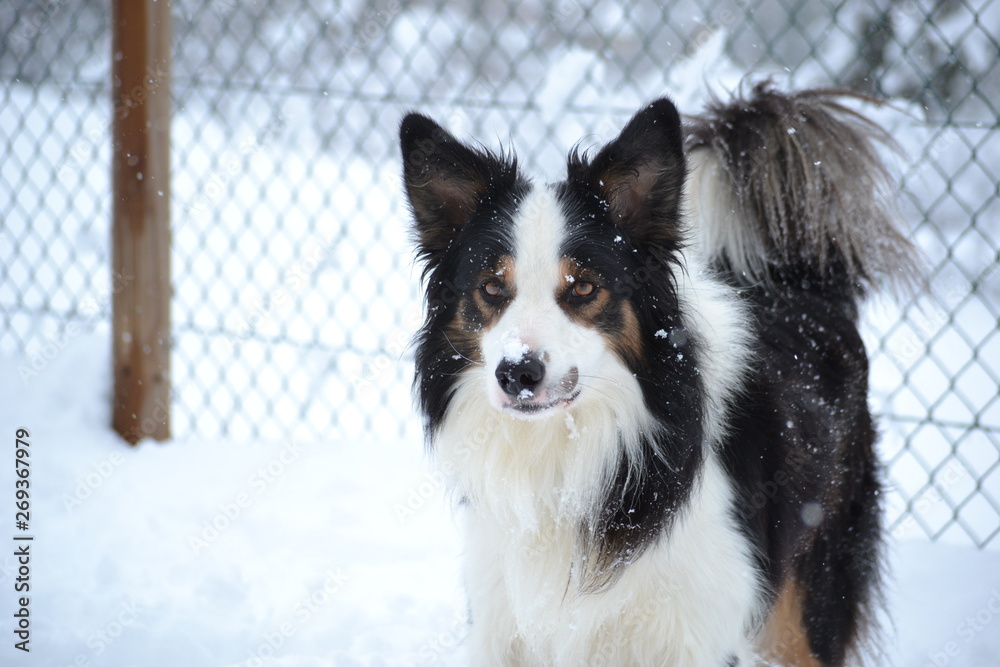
[539,230]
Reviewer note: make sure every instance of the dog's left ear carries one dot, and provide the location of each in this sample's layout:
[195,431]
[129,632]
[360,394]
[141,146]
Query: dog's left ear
[640,174]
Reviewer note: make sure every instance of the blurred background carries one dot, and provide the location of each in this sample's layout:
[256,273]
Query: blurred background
[294,289]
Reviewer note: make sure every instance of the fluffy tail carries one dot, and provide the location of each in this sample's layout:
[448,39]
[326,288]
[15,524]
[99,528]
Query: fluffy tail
[790,187]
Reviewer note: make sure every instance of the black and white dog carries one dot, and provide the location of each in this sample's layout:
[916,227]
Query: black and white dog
[647,387]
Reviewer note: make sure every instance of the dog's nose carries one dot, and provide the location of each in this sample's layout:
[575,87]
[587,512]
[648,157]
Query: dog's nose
[516,376]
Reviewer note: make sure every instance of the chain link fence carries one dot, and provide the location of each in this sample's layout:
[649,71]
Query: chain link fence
[294,290]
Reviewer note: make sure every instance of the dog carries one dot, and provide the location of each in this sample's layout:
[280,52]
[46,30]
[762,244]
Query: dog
[646,387]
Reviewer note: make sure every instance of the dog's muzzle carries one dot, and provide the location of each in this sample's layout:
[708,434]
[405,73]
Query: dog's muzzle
[526,391]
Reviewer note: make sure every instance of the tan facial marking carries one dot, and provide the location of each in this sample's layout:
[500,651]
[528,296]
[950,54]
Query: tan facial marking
[573,277]
[494,281]
[464,338]
[629,343]
[627,338]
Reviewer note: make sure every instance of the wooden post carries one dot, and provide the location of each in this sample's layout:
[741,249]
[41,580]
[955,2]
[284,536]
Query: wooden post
[140,250]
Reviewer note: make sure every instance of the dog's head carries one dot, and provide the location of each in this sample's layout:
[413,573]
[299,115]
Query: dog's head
[547,295]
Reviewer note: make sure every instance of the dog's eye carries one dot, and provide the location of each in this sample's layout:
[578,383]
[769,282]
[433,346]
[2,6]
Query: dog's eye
[493,291]
[583,290]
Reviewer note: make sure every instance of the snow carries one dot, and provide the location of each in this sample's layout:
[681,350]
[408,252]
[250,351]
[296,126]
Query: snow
[208,552]
[294,516]
[571,428]
[513,348]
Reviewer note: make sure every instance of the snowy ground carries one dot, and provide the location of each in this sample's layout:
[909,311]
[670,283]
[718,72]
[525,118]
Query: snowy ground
[217,553]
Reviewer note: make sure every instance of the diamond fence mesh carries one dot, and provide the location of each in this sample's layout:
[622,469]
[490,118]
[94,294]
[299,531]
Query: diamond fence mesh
[294,290]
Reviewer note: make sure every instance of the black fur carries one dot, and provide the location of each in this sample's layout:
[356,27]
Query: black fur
[462,201]
[630,191]
[801,452]
[807,179]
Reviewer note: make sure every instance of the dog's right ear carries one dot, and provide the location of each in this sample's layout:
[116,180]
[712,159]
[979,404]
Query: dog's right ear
[445,182]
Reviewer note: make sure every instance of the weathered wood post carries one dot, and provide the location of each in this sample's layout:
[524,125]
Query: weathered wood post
[140,252]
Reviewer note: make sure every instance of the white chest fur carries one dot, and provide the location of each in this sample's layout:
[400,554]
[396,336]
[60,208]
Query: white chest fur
[691,599]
